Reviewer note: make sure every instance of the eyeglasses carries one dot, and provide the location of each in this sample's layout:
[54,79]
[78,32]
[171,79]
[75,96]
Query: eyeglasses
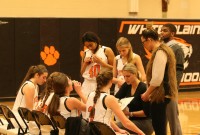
[144,42]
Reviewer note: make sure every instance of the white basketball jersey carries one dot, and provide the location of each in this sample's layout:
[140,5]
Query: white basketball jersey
[120,65]
[93,68]
[20,99]
[64,110]
[102,113]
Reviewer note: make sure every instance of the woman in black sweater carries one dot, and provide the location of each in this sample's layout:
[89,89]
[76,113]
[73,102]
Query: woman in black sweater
[139,111]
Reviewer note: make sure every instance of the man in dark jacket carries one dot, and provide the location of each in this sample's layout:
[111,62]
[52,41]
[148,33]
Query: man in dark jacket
[167,36]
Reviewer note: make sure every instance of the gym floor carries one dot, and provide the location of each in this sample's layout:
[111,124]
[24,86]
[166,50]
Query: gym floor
[189,112]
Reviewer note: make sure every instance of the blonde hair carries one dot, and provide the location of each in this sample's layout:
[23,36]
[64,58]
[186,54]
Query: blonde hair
[131,68]
[125,43]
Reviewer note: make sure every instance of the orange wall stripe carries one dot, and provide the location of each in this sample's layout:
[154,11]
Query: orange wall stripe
[189,83]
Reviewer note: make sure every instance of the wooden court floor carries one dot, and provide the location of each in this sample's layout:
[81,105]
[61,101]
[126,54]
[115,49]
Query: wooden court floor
[189,112]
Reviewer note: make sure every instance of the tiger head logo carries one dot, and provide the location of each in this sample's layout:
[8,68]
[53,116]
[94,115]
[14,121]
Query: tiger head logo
[187,49]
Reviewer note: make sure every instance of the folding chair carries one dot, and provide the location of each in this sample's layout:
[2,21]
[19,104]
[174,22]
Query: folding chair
[60,122]
[10,125]
[1,114]
[1,122]
[3,126]
[0,119]
[42,119]
[99,128]
[26,116]
[77,126]
[8,114]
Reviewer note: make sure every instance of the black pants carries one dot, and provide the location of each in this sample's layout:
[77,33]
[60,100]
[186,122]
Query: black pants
[159,120]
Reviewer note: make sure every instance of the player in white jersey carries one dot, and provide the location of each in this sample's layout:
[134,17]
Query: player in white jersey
[100,105]
[28,92]
[20,100]
[125,56]
[61,103]
[64,110]
[44,102]
[94,59]
[103,114]
[27,95]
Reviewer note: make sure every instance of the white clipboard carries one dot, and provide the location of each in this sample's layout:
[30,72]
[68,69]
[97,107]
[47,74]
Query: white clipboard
[124,102]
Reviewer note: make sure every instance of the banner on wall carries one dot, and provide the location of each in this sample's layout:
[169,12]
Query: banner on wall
[56,42]
[188,33]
